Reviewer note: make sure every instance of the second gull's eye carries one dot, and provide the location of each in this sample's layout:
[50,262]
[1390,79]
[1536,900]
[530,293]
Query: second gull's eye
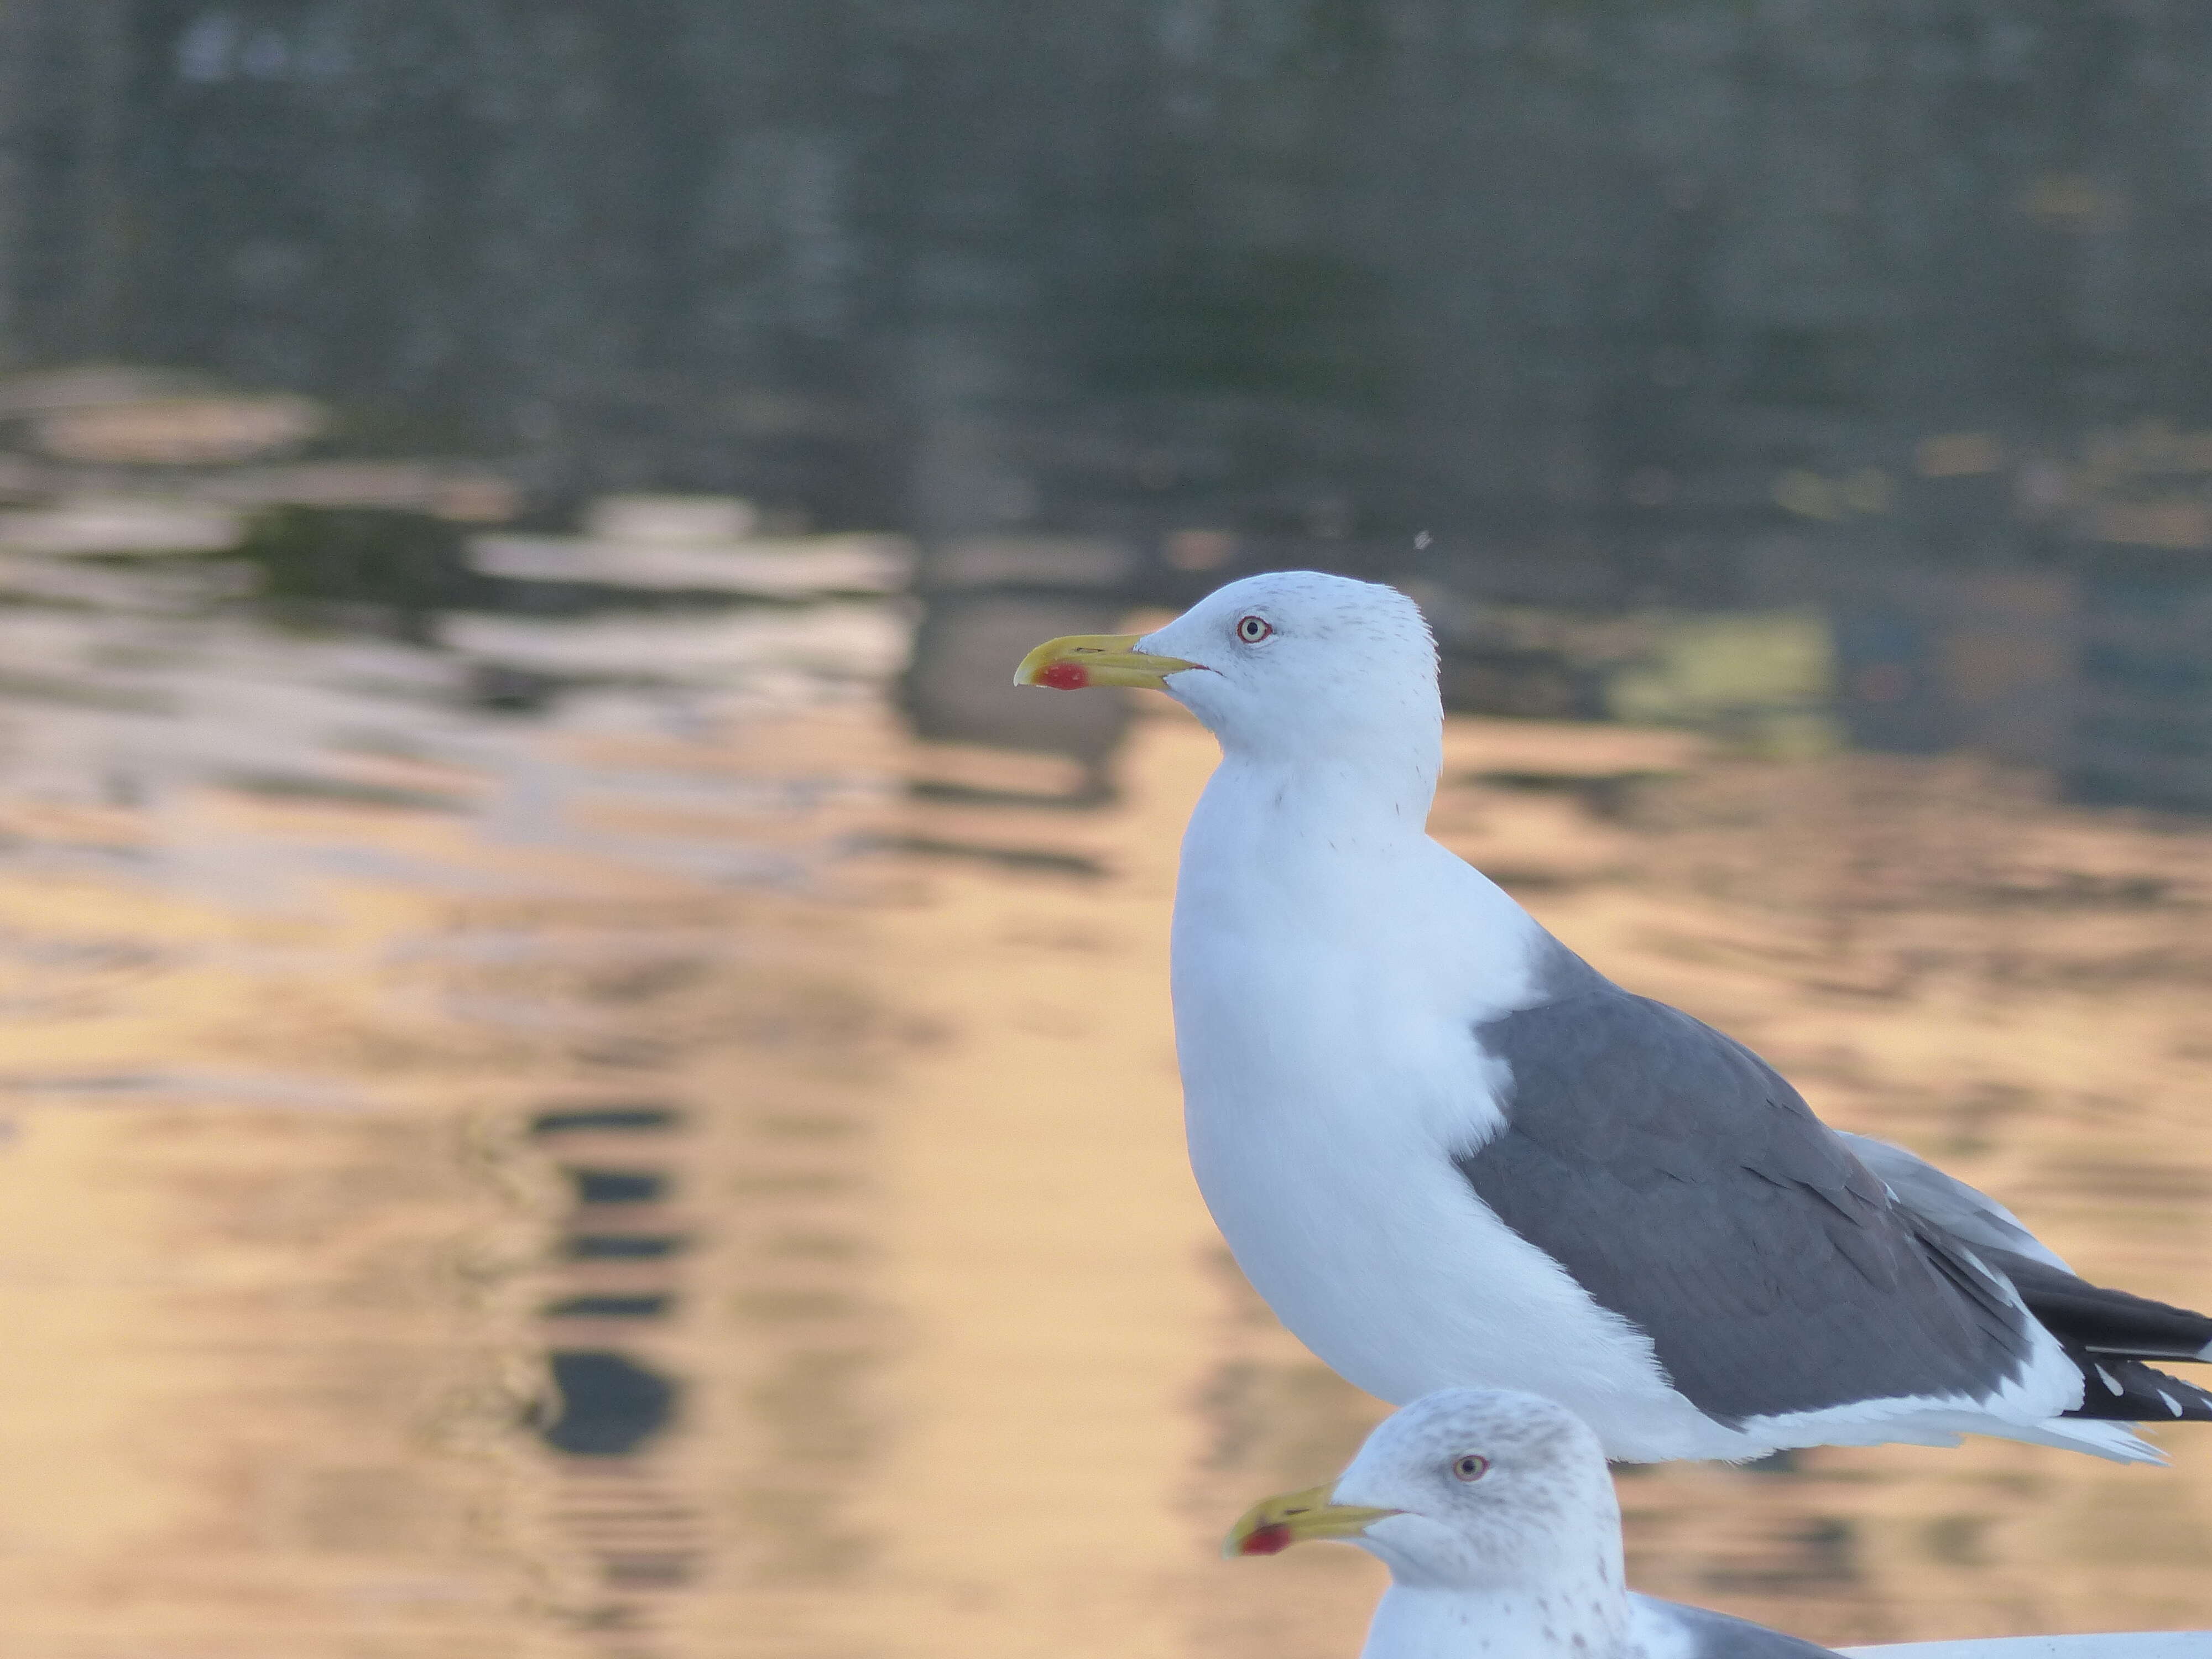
[1252,630]
[1469,1465]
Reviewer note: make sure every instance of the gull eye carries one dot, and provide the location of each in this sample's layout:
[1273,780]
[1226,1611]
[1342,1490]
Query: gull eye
[1252,630]
[1469,1465]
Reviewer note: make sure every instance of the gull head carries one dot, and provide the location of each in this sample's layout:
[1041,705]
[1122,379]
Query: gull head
[1466,1489]
[1292,665]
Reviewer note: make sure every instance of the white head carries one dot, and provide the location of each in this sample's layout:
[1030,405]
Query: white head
[1466,1489]
[1292,666]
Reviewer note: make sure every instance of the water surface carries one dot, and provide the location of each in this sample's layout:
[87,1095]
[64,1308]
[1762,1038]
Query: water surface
[676,1169]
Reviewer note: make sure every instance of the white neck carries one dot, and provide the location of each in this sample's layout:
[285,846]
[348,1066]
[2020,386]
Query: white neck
[1446,1623]
[1352,801]
[1276,857]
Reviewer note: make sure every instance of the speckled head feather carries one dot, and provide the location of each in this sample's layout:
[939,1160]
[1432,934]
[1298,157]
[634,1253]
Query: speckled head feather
[1541,1507]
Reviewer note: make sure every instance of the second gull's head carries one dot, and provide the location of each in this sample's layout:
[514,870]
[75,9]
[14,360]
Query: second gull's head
[1466,1489]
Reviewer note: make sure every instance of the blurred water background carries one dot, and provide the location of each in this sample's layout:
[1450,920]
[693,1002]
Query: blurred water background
[584,1077]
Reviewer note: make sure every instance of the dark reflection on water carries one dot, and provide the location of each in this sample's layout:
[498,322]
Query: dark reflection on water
[630,1177]
[609,1404]
[605,1402]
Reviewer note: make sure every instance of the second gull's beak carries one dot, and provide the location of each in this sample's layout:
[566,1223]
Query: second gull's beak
[1273,1524]
[1077,660]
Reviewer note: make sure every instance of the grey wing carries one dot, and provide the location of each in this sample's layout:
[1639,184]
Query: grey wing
[2107,1332]
[1716,1636]
[1689,1188]
[1948,1202]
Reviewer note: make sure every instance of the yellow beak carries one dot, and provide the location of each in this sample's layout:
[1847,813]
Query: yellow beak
[1084,659]
[1273,1524]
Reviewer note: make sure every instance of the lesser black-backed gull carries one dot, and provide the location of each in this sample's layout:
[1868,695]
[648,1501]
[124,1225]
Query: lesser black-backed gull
[1450,1152]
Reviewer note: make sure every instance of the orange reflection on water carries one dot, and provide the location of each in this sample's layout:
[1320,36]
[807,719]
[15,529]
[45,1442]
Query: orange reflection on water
[851,1189]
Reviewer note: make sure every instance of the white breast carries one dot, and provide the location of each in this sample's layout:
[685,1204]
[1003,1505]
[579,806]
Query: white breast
[1330,1069]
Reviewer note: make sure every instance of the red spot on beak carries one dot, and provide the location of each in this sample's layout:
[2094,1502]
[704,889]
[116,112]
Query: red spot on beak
[1065,677]
[1266,1540]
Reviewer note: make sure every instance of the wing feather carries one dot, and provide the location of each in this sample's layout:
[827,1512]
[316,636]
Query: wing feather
[1689,1188]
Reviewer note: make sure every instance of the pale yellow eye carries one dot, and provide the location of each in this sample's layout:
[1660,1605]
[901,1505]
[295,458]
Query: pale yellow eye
[1252,630]
[1470,1466]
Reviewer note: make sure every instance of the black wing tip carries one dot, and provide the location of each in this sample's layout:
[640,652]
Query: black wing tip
[2116,1390]
[2091,1318]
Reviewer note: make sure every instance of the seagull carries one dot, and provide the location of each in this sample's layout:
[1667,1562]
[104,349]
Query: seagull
[1450,1152]
[1496,1517]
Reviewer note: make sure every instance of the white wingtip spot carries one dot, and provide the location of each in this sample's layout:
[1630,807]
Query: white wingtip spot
[2107,1378]
[2171,1404]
